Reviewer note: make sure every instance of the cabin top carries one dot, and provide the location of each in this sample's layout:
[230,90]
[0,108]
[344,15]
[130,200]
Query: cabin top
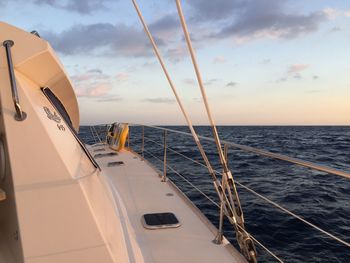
[33,56]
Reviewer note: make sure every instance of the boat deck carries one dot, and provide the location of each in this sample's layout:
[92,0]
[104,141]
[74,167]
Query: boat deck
[141,190]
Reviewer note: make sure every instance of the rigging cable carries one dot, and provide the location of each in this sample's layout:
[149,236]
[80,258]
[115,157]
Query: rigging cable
[231,204]
[223,198]
[216,204]
[245,242]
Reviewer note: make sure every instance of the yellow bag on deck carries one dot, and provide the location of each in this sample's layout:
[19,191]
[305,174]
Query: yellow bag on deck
[117,136]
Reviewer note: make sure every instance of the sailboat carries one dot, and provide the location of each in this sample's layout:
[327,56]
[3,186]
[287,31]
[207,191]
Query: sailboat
[64,201]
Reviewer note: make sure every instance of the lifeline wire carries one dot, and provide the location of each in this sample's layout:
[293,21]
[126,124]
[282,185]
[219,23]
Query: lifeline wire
[265,198]
[216,204]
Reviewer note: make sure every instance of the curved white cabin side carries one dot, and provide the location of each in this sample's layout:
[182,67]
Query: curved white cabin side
[59,206]
[61,218]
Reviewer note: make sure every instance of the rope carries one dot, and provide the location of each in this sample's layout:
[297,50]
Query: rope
[269,201]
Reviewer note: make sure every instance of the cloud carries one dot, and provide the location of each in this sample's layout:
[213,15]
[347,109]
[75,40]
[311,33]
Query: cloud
[213,10]
[297,68]
[102,39]
[90,75]
[109,98]
[231,84]
[94,84]
[284,79]
[95,70]
[314,91]
[189,81]
[265,61]
[332,13]
[177,53]
[210,82]
[159,100]
[315,77]
[94,91]
[245,20]
[335,29]
[293,71]
[122,76]
[297,76]
[80,6]
[219,60]
[166,23]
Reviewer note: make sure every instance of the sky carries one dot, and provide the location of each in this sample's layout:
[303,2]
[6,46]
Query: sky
[263,62]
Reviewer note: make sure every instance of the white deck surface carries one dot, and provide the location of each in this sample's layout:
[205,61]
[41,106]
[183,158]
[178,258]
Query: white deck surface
[142,191]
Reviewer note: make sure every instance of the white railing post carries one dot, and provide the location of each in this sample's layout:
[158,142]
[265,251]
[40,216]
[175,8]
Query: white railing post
[164,157]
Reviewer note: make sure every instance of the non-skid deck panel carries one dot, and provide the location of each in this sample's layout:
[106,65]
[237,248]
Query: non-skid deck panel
[142,192]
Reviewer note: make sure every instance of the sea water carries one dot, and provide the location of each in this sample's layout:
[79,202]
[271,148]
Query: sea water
[320,198]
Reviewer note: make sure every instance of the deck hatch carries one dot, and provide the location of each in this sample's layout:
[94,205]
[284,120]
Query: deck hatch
[101,155]
[117,163]
[160,220]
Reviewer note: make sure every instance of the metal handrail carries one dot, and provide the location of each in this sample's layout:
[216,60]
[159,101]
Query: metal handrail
[246,148]
[261,152]
[220,233]
[20,115]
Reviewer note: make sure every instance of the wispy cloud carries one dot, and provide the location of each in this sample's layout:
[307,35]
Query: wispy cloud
[122,76]
[109,98]
[159,100]
[332,13]
[189,81]
[314,91]
[265,61]
[297,76]
[94,84]
[80,6]
[177,53]
[219,60]
[94,91]
[210,82]
[283,79]
[231,84]
[335,29]
[293,72]
[297,68]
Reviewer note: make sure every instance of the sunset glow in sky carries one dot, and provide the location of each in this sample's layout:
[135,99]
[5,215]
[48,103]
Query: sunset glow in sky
[271,62]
